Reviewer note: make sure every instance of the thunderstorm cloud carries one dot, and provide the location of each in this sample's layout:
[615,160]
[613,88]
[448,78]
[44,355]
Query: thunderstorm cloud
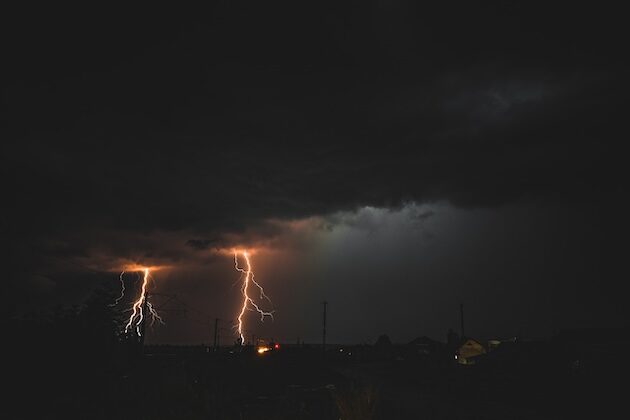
[440,143]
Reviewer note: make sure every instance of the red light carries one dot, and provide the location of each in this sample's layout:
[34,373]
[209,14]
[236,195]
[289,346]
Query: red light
[276,346]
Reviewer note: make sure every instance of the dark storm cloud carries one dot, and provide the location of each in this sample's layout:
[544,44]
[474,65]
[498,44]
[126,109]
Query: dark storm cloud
[200,244]
[212,123]
[423,215]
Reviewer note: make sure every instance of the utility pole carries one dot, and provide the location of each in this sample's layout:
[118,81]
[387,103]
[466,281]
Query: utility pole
[325,303]
[461,315]
[216,334]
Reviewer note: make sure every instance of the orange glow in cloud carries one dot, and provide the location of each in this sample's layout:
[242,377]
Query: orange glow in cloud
[138,267]
[238,250]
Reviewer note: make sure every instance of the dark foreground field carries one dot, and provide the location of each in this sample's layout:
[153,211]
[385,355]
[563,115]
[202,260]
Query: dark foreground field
[191,383]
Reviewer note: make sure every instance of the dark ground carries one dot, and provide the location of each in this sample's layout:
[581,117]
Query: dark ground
[190,383]
[73,364]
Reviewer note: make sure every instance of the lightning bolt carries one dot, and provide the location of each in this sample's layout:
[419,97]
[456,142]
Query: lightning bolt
[248,302]
[122,291]
[138,315]
[154,315]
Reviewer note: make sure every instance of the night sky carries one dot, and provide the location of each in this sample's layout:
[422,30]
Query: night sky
[394,158]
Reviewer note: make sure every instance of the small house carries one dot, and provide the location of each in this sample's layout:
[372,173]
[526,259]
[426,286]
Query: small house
[468,351]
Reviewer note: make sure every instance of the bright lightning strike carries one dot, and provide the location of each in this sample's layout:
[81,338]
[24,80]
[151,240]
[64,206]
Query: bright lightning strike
[248,302]
[142,305]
